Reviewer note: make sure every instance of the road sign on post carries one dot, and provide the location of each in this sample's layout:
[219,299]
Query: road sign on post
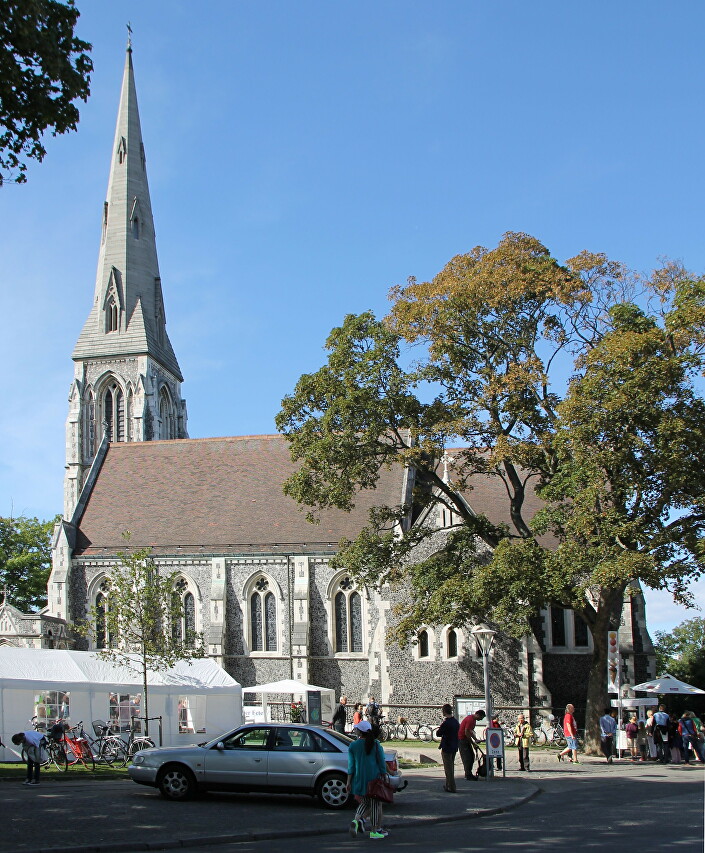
[494,747]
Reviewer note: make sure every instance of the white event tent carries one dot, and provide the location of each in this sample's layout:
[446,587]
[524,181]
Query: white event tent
[197,701]
[666,684]
[295,691]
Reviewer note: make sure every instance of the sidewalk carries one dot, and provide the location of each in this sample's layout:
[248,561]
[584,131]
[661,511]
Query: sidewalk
[107,817]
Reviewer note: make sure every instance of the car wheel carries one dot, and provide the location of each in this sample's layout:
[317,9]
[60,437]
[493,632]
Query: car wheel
[177,783]
[332,791]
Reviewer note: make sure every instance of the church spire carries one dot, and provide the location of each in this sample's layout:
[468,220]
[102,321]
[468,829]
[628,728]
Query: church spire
[128,314]
[127,381]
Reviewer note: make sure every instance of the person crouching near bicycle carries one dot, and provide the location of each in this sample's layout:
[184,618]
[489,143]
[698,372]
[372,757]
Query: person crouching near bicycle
[34,744]
[522,733]
[467,741]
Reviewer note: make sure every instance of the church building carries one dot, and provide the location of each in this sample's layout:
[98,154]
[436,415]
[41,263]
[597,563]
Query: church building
[254,575]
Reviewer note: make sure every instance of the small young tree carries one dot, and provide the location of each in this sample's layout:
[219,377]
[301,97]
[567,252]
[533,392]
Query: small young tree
[141,622]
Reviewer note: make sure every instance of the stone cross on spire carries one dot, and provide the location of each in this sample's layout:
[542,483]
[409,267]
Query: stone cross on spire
[129,36]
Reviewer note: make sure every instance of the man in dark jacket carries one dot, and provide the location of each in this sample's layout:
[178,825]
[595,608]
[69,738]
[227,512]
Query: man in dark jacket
[340,717]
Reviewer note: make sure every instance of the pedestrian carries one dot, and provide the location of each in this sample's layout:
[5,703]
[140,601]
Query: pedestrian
[495,724]
[642,741]
[34,744]
[570,730]
[448,731]
[675,740]
[340,717]
[631,730]
[467,742]
[522,733]
[689,735]
[700,732]
[365,764]
[373,712]
[663,751]
[608,729]
[650,727]
[357,713]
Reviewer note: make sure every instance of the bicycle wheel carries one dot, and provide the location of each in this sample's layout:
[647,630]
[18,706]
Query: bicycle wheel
[508,736]
[434,733]
[559,737]
[401,731]
[383,733]
[140,743]
[85,754]
[57,754]
[540,735]
[425,732]
[109,752]
[116,747]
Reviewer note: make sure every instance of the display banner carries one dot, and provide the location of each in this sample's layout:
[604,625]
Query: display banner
[613,662]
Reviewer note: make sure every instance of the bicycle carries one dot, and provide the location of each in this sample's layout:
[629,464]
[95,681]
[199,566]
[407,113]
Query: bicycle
[415,731]
[77,749]
[106,748]
[56,754]
[126,750]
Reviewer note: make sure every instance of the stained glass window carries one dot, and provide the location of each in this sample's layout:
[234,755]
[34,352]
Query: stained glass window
[256,621]
[341,622]
[270,621]
[100,608]
[558,626]
[355,622]
[423,644]
[581,630]
[190,618]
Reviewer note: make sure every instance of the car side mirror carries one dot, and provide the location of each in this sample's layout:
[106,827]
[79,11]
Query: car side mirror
[220,745]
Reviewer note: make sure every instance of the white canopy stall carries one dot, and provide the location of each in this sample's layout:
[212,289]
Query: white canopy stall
[666,684]
[196,701]
[317,703]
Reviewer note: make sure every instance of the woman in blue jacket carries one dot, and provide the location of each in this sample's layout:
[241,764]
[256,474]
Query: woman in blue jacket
[365,763]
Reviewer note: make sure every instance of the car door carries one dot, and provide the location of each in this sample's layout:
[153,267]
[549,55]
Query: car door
[294,759]
[241,762]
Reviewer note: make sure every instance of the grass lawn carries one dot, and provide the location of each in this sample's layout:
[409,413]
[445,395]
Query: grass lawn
[17,770]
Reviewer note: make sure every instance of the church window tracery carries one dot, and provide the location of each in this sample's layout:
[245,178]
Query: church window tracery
[167,416]
[114,412]
[263,617]
[184,625]
[347,617]
[103,636]
[111,315]
[88,432]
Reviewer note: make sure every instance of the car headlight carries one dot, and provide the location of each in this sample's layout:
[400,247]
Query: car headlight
[139,758]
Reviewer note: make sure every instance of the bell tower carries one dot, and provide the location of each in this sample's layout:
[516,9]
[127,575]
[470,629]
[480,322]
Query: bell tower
[127,381]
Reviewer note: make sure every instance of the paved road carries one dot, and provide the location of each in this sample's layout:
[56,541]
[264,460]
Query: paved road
[620,807]
[643,812]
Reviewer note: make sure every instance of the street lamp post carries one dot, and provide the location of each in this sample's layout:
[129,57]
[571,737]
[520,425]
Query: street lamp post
[485,640]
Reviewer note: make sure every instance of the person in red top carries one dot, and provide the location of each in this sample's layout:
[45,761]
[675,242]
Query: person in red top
[570,730]
[466,740]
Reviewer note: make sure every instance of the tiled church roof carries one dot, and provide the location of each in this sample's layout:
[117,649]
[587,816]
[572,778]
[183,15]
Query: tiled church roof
[212,495]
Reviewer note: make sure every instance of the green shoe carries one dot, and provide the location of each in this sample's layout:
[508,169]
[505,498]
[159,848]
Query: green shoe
[378,835]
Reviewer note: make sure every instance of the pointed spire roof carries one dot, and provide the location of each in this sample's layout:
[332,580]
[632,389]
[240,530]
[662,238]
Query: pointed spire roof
[128,269]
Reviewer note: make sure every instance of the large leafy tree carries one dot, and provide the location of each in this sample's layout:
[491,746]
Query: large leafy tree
[140,622]
[44,68]
[25,560]
[681,652]
[562,379]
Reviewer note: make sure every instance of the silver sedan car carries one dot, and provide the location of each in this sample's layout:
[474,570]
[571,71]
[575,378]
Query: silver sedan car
[283,758]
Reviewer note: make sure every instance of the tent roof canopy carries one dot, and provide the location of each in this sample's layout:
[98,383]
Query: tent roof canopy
[73,670]
[666,684]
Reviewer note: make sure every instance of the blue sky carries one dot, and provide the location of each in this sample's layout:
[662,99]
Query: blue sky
[305,157]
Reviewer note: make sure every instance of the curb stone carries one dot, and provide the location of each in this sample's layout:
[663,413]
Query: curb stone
[240,837]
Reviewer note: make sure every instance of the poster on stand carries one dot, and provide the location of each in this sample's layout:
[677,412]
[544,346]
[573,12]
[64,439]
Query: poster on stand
[613,661]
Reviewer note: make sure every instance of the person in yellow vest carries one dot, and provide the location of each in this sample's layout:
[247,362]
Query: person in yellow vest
[522,732]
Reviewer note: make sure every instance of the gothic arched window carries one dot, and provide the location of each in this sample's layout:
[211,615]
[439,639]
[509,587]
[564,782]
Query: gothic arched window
[103,635]
[423,644]
[114,411]
[347,621]
[167,416]
[452,643]
[184,623]
[111,315]
[263,618]
[88,424]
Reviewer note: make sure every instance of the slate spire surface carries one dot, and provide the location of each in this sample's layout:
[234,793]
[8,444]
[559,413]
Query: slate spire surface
[128,316]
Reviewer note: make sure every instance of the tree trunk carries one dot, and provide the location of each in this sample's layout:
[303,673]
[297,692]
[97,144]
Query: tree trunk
[607,618]
[146,697]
